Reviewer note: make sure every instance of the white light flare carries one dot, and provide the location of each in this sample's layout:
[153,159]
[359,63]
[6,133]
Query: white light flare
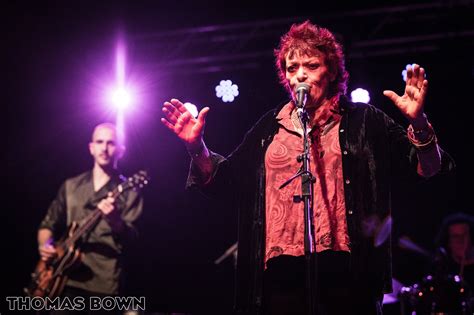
[360,96]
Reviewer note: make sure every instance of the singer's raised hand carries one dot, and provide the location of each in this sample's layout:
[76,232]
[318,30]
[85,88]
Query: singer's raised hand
[411,103]
[180,121]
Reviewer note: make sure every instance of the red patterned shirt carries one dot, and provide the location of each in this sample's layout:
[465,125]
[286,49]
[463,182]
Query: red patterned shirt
[284,218]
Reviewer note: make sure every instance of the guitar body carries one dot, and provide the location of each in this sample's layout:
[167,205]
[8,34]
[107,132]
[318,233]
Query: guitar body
[49,278]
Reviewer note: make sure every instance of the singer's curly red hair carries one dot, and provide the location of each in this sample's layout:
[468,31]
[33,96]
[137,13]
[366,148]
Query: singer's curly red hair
[307,38]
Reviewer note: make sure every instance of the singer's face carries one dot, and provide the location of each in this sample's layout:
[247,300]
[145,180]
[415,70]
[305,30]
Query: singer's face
[310,69]
[103,146]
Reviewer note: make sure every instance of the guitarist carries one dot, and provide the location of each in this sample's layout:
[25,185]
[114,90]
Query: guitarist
[99,272]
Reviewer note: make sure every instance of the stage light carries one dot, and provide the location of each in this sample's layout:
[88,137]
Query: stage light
[120,98]
[191,108]
[227,91]
[120,94]
[360,95]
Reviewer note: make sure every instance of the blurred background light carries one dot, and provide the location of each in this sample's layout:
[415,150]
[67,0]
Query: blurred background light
[227,91]
[360,95]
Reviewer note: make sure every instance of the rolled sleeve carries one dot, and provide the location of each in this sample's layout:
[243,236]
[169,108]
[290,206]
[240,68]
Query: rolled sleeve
[55,219]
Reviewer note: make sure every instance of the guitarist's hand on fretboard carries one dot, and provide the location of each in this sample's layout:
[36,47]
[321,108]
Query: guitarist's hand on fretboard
[106,205]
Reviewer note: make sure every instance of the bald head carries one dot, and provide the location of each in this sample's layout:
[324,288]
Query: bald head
[109,126]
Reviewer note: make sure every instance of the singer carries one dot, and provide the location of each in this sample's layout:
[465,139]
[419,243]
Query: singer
[357,151]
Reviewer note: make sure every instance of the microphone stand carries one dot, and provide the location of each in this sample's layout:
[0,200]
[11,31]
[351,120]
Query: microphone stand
[307,181]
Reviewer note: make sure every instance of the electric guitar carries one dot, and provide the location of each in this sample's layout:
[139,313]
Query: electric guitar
[49,277]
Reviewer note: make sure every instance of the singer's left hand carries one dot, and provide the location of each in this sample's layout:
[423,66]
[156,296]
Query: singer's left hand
[411,103]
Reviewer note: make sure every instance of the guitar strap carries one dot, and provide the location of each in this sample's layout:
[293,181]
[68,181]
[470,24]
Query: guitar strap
[72,203]
[68,202]
[72,189]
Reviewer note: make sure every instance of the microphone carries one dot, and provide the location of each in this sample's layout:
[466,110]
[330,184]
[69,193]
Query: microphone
[301,93]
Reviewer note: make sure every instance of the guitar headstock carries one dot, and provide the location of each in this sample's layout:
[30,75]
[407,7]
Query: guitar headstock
[136,181]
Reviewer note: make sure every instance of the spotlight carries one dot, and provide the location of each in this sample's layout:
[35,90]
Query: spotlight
[120,98]
[360,95]
[227,91]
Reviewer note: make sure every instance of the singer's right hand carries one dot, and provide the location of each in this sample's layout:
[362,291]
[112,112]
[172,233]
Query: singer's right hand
[180,121]
[47,252]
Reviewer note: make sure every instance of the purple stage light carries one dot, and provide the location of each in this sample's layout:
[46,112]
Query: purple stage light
[120,98]
[119,88]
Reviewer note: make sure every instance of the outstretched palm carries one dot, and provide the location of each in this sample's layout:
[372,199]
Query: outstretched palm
[180,121]
[411,103]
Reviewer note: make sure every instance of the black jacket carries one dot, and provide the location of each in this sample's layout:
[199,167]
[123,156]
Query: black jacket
[375,151]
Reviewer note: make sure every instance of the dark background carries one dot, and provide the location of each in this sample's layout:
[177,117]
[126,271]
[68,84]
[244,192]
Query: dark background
[56,56]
